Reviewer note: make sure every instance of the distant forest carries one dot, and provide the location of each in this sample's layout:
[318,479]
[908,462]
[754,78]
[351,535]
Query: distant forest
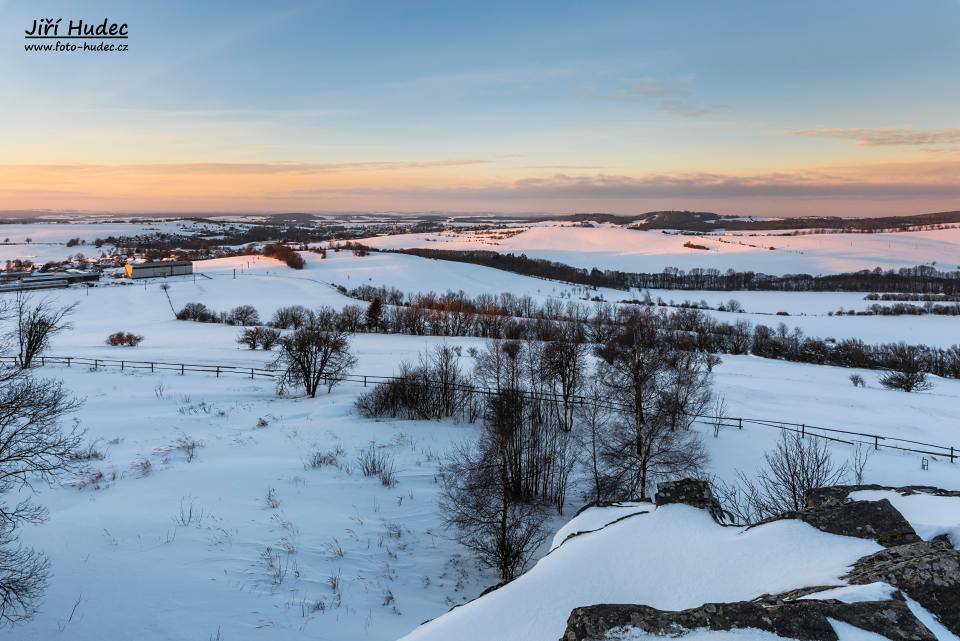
[921,279]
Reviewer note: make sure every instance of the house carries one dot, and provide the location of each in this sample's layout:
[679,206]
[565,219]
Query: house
[158,269]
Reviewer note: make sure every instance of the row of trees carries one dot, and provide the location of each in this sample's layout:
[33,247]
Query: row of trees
[919,279]
[521,318]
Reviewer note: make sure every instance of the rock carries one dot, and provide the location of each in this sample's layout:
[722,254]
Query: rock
[837,494]
[805,620]
[928,571]
[693,492]
[877,520]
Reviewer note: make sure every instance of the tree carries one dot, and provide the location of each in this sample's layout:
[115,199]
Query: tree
[657,391]
[475,500]
[33,447]
[374,316]
[35,325]
[312,356]
[291,317]
[907,372]
[243,315]
[595,417]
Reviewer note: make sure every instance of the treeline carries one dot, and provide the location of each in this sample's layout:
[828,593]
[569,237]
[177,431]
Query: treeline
[905,309]
[454,314]
[923,298]
[922,279]
[521,264]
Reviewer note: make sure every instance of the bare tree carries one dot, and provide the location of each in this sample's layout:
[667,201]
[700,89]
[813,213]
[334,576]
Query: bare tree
[858,462]
[658,391]
[35,324]
[797,465]
[563,365]
[33,447]
[243,315]
[595,418]
[475,499]
[313,356]
[719,410]
[632,462]
[253,337]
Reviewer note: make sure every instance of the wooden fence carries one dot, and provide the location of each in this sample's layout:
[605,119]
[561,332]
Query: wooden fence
[838,435]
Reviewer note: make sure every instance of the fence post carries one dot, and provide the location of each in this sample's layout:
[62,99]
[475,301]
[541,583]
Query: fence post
[218,371]
[739,423]
[364,381]
[94,363]
[121,366]
[42,361]
[251,373]
[803,430]
[876,442]
[151,368]
[951,454]
[181,369]
[69,358]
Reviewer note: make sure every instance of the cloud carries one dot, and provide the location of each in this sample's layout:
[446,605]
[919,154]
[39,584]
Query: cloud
[263,168]
[808,185]
[674,98]
[886,136]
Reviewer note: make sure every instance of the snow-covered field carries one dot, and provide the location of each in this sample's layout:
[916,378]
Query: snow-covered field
[48,241]
[128,553]
[244,541]
[607,246]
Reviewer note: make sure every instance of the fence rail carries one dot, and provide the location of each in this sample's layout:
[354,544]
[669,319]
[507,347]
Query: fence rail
[838,435]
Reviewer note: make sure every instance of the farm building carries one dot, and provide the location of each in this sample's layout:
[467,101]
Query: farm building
[22,281]
[159,268]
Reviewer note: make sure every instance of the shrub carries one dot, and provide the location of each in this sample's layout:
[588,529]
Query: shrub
[197,312]
[374,462]
[254,337]
[907,371]
[285,254]
[129,339]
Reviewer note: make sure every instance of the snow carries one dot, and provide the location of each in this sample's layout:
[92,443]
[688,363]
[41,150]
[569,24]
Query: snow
[674,558]
[125,555]
[930,515]
[878,591]
[745,634]
[595,518]
[122,558]
[847,632]
[608,246]
[928,619]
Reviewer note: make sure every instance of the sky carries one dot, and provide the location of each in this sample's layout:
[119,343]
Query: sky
[839,107]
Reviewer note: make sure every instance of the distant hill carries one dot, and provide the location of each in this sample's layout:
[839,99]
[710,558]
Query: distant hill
[709,221]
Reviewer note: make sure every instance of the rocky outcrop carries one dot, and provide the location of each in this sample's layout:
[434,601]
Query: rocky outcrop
[837,494]
[877,520]
[927,571]
[804,620]
[693,492]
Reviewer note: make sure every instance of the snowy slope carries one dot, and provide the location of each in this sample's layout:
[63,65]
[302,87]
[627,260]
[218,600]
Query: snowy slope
[673,558]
